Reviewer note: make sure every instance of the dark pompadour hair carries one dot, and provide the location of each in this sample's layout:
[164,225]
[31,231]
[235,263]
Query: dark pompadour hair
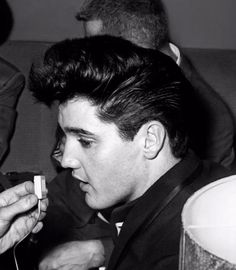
[143,22]
[129,85]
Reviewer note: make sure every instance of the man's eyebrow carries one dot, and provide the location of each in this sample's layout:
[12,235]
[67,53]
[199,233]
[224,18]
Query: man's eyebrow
[78,131]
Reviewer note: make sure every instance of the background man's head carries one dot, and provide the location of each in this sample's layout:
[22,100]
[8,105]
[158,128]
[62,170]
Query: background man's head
[144,22]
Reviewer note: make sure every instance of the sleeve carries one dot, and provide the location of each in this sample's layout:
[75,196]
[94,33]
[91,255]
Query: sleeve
[11,85]
[7,122]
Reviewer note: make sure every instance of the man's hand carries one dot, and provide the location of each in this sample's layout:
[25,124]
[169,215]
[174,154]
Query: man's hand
[75,255]
[17,218]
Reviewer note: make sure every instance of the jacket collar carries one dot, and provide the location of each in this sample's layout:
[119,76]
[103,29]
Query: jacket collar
[153,198]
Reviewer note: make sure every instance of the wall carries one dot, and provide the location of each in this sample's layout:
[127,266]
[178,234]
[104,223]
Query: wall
[203,23]
[193,23]
[45,20]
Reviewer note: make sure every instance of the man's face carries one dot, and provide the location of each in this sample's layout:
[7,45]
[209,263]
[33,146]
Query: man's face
[111,169]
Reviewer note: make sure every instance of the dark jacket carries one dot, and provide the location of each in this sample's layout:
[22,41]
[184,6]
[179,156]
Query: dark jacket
[150,236]
[143,243]
[213,132]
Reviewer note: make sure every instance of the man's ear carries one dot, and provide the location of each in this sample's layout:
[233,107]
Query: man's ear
[93,27]
[155,139]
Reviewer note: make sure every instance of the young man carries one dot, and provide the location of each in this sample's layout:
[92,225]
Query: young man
[124,113]
[145,23]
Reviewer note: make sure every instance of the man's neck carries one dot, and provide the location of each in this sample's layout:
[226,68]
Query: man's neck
[159,166]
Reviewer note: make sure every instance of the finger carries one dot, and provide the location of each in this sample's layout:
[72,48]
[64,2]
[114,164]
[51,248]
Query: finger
[13,194]
[21,226]
[42,208]
[44,204]
[37,227]
[18,207]
[42,216]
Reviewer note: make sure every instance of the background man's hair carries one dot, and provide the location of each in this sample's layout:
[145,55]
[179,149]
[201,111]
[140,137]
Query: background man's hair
[129,85]
[143,22]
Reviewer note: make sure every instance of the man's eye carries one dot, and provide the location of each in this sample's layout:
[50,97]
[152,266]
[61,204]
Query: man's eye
[85,143]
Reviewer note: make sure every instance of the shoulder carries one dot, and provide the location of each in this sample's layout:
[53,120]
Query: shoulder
[209,172]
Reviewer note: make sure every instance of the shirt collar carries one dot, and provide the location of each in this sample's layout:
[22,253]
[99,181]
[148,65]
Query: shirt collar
[176,52]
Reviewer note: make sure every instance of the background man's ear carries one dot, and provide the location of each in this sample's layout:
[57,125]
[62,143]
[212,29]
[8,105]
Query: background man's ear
[155,139]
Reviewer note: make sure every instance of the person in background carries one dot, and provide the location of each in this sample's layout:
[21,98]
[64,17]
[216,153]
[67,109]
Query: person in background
[18,205]
[12,83]
[124,114]
[145,23]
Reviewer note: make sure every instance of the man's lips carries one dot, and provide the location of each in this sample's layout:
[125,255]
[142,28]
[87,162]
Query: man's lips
[83,183]
[83,186]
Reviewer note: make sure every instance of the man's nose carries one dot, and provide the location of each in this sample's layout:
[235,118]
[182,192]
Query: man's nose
[69,159]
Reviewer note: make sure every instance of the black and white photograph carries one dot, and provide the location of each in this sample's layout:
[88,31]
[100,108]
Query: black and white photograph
[117,135]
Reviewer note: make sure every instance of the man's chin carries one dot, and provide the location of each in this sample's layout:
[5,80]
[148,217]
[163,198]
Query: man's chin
[93,203]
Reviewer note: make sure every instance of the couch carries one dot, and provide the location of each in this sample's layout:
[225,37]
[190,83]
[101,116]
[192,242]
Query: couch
[33,138]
